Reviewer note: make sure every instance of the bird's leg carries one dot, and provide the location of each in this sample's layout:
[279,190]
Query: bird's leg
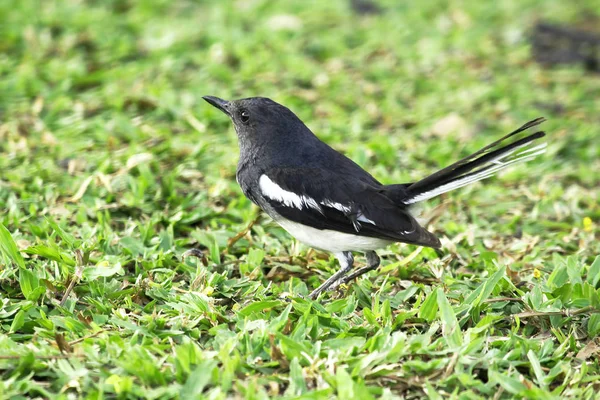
[372,263]
[346,260]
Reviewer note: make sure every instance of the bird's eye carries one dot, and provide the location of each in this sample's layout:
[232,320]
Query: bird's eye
[245,116]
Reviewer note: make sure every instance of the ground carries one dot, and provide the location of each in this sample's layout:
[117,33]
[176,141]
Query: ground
[112,166]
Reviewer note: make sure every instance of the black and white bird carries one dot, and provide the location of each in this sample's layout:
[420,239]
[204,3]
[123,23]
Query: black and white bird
[328,202]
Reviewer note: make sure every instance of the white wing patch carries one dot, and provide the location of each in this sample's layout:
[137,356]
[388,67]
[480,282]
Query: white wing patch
[345,209]
[337,206]
[290,199]
[275,192]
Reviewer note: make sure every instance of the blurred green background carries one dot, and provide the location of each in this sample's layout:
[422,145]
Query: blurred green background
[108,151]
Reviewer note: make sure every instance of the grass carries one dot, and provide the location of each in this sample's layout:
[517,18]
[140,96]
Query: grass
[112,166]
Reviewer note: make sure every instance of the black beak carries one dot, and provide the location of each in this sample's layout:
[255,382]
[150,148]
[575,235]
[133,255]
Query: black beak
[221,104]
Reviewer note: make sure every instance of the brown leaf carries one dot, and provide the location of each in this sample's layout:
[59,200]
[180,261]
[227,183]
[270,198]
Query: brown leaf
[276,354]
[84,318]
[590,349]
[513,275]
[62,344]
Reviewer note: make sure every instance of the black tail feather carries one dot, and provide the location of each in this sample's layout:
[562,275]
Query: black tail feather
[476,166]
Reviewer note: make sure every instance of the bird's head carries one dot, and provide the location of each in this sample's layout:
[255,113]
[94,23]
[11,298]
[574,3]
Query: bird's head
[259,120]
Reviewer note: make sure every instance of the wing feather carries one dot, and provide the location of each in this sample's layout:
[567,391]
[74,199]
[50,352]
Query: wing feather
[325,200]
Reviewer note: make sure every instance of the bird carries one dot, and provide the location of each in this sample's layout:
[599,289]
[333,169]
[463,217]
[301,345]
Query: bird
[328,202]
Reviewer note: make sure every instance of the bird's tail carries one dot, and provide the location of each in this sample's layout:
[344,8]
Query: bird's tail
[511,149]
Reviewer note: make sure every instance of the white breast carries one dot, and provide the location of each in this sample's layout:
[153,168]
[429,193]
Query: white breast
[329,240]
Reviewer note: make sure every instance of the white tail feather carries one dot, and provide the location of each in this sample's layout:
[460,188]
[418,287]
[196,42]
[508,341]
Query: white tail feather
[488,169]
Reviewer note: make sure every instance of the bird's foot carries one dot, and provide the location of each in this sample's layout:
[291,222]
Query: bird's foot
[373,261]
[346,260]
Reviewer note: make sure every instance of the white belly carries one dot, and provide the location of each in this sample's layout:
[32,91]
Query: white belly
[329,240]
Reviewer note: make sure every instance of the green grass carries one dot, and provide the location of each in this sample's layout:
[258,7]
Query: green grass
[112,166]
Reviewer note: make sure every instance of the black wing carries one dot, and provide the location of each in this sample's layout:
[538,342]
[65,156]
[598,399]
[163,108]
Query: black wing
[325,200]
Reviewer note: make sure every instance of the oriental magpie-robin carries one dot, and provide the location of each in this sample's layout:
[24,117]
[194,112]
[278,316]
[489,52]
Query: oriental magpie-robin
[327,201]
